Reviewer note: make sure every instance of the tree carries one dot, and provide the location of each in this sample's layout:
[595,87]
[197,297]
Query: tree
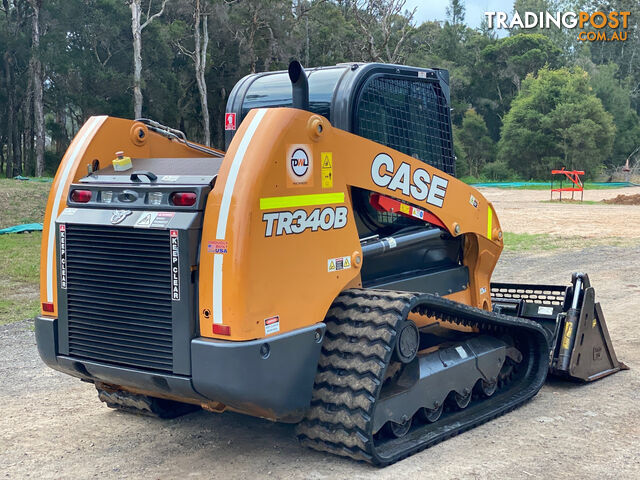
[199,57]
[136,28]
[385,26]
[455,12]
[36,80]
[556,121]
[616,100]
[476,143]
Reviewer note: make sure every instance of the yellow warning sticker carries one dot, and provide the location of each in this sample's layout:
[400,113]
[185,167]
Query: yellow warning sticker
[404,208]
[566,338]
[339,263]
[326,164]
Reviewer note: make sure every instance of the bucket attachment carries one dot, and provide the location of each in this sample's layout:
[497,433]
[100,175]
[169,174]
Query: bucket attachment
[581,346]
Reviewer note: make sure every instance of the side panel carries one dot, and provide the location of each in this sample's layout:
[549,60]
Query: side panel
[268,281]
[276,258]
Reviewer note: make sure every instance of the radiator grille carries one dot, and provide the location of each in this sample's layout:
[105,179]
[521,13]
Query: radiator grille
[119,296]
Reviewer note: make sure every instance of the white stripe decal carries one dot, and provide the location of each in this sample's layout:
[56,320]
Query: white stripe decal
[223,215]
[91,127]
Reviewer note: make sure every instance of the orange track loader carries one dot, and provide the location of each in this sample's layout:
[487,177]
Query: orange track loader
[328,269]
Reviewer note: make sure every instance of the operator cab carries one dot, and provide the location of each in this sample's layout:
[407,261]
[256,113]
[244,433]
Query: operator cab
[403,108]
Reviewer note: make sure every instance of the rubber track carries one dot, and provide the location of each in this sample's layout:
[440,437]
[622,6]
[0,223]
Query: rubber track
[361,334]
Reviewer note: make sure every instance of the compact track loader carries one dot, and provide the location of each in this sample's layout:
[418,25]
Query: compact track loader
[327,270]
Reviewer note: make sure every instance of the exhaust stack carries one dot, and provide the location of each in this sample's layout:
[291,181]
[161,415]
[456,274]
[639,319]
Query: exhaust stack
[299,86]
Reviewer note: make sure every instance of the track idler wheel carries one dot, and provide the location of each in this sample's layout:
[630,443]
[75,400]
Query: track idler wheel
[408,342]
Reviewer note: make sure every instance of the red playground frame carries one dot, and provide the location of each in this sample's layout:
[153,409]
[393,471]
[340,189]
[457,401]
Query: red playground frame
[571,175]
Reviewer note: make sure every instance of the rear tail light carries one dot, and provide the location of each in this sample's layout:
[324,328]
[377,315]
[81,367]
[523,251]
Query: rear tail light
[81,196]
[183,199]
[47,307]
[221,329]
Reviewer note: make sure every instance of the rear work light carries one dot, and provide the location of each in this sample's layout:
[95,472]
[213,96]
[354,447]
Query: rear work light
[155,198]
[183,199]
[47,307]
[81,196]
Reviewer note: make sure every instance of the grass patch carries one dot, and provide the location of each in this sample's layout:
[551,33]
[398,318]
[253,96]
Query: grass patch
[19,276]
[22,201]
[20,257]
[542,242]
[15,310]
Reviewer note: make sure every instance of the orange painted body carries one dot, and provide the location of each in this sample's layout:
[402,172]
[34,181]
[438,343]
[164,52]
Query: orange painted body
[99,138]
[286,275]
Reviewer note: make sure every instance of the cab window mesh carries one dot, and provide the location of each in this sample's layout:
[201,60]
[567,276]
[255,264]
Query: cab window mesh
[411,116]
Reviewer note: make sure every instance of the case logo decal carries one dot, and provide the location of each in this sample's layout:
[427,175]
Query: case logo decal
[418,184]
[287,223]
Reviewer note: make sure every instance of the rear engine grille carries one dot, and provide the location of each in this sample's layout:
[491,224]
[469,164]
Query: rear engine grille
[119,296]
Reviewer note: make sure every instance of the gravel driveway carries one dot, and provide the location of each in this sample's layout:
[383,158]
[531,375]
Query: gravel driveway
[53,426]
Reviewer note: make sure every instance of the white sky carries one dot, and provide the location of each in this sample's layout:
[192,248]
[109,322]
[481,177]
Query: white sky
[436,10]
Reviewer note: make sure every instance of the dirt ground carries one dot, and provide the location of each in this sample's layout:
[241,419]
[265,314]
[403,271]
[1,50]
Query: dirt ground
[53,426]
[528,211]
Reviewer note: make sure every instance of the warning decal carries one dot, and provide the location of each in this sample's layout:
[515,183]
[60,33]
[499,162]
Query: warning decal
[272,325]
[413,211]
[326,165]
[338,263]
[63,256]
[175,265]
[229,121]
[154,219]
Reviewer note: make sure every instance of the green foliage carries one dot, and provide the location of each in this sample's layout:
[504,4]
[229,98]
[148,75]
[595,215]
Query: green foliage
[616,100]
[86,53]
[556,121]
[19,262]
[498,171]
[476,143]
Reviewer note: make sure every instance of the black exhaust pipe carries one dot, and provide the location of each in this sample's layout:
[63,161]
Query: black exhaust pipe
[299,86]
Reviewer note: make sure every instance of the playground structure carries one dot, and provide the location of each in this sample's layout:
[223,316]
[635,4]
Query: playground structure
[574,177]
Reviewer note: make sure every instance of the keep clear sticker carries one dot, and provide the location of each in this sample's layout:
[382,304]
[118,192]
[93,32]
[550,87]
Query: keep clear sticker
[175,265]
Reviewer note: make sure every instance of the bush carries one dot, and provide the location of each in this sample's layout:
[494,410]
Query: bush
[498,171]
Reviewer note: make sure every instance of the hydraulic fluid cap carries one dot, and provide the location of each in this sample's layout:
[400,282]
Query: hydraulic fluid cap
[121,163]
